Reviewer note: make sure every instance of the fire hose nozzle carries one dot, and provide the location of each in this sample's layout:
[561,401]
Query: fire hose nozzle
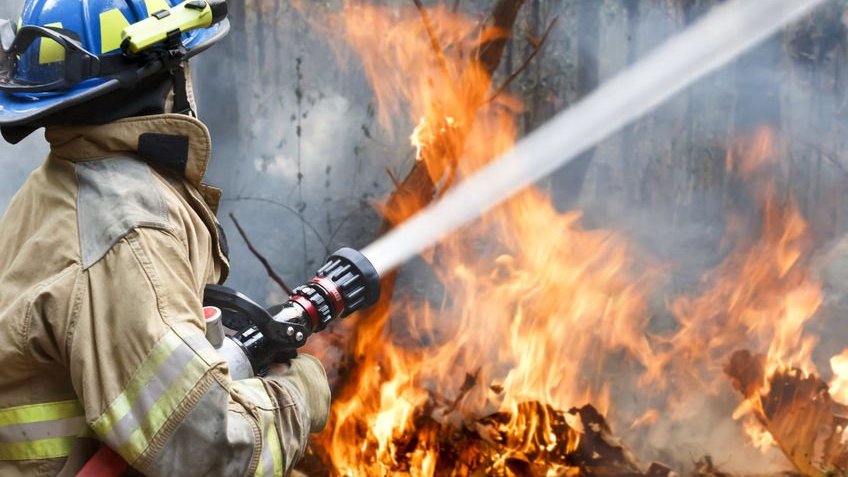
[355,278]
[347,282]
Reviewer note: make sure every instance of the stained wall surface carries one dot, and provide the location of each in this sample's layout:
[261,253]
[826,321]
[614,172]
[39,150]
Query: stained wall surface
[302,159]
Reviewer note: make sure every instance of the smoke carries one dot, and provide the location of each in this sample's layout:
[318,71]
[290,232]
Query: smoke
[18,162]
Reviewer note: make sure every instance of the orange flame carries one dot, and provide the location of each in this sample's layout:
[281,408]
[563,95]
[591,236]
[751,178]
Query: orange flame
[526,312]
[759,298]
[534,308]
[839,383]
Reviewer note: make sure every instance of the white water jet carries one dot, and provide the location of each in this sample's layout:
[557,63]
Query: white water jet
[724,34]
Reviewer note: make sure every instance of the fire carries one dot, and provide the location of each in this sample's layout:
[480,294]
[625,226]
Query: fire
[538,315]
[839,383]
[760,296]
[526,316]
[760,438]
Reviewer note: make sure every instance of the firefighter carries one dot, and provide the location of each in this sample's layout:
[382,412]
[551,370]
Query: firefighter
[104,255]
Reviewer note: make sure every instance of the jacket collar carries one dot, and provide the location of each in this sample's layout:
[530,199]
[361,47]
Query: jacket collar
[86,143]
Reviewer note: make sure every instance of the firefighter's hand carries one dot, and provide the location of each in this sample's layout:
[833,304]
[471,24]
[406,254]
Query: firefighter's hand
[308,375]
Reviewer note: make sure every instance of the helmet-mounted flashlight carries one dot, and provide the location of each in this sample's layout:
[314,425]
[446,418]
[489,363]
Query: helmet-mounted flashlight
[171,23]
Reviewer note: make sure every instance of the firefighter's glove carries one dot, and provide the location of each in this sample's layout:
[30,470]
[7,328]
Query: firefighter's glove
[308,375]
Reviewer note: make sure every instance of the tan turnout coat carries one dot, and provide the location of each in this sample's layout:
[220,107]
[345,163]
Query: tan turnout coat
[103,259]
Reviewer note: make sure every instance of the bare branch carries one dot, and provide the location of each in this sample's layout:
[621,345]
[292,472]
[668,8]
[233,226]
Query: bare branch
[264,261]
[526,62]
[317,235]
[394,179]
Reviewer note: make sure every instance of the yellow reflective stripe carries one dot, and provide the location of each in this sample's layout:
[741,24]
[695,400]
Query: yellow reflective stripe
[48,411]
[112,23]
[276,448]
[162,410]
[33,414]
[49,51]
[122,404]
[271,458]
[161,383]
[87,433]
[40,449]
[154,6]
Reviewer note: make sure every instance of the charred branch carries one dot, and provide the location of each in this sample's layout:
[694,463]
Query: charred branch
[434,42]
[418,187]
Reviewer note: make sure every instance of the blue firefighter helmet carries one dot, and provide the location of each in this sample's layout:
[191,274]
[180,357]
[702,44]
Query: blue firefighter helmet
[63,53]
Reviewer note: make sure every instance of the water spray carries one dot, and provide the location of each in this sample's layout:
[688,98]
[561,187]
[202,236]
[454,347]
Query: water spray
[724,34]
[350,280]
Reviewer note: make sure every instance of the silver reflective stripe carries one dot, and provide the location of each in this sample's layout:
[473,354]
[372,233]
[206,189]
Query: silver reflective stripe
[150,398]
[34,431]
[40,431]
[171,369]
[198,342]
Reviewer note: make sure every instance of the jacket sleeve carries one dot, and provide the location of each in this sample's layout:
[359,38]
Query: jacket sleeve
[154,389]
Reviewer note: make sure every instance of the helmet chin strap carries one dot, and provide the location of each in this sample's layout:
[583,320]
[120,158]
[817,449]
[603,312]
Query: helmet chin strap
[182,97]
[174,59]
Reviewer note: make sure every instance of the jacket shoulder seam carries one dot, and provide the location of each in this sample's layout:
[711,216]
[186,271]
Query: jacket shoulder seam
[76,310]
[115,196]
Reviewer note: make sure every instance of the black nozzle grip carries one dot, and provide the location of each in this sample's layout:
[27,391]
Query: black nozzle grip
[355,278]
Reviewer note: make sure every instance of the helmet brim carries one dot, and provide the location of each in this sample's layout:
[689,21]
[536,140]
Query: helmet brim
[19,110]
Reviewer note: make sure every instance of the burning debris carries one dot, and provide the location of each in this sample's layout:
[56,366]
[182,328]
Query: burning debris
[797,411]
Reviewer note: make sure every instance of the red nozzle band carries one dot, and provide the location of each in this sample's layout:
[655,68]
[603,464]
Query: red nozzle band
[211,313]
[308,307]
[335,294]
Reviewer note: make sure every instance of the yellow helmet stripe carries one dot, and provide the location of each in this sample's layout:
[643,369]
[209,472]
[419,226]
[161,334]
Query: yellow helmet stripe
[112,23]
[49,51]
